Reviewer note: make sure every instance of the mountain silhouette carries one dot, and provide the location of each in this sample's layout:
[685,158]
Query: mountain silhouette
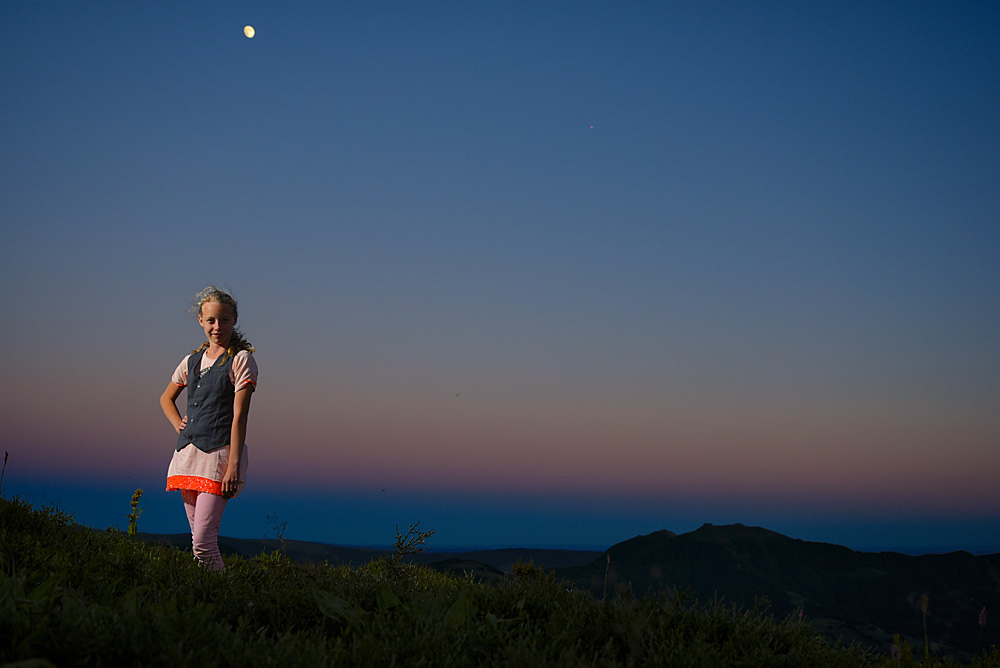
[846,595]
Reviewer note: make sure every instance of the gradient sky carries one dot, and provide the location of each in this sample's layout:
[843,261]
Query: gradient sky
[527,273]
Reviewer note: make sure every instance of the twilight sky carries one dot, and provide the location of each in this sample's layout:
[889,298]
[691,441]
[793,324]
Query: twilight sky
[529,273]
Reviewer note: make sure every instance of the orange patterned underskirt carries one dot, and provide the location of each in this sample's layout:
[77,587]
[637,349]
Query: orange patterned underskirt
[181,482]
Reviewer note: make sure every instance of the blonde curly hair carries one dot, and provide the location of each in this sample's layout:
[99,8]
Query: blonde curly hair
[214,294]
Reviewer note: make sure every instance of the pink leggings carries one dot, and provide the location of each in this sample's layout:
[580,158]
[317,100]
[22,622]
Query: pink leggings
[204,511]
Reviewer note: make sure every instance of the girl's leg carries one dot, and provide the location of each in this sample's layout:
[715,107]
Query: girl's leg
[205,529]
[190,497]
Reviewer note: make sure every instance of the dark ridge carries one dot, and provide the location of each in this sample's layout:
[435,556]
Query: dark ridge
[847,595]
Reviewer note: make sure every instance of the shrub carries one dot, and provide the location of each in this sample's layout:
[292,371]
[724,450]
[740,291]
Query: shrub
[74,596]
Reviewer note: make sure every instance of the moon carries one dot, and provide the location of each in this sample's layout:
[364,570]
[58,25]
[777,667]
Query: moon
[248,31]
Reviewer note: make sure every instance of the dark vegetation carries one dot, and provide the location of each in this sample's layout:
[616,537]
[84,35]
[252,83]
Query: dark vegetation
[75,596]
[849,597]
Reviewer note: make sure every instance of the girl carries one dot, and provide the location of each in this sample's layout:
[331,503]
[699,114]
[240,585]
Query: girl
[210,463]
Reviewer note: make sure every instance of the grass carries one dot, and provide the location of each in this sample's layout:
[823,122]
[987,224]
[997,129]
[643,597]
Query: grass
[71,596]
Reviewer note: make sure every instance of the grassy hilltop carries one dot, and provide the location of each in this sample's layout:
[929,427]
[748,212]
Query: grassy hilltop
[73,596]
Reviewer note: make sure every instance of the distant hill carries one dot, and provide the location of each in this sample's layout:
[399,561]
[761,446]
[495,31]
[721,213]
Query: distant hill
[847,595]
[499,561]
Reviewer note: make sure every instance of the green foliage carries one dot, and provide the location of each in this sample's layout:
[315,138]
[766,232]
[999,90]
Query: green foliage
[74,596]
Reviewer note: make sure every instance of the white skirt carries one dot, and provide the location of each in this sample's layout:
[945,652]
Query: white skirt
[191,468]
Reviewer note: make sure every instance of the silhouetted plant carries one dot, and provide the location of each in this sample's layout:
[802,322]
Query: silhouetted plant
[606,570]
[412,542]
[133,517]
[927,643]
[5,456]
[520,570]
[982,625]
[279,533]
[902,652]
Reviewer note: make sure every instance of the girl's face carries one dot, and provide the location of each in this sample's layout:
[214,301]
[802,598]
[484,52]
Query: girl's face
[218,321]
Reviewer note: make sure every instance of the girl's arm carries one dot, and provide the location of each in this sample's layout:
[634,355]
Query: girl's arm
[168,402]
[241,410]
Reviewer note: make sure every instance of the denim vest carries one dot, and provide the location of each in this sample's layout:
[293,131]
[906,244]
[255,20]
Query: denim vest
[209,405]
